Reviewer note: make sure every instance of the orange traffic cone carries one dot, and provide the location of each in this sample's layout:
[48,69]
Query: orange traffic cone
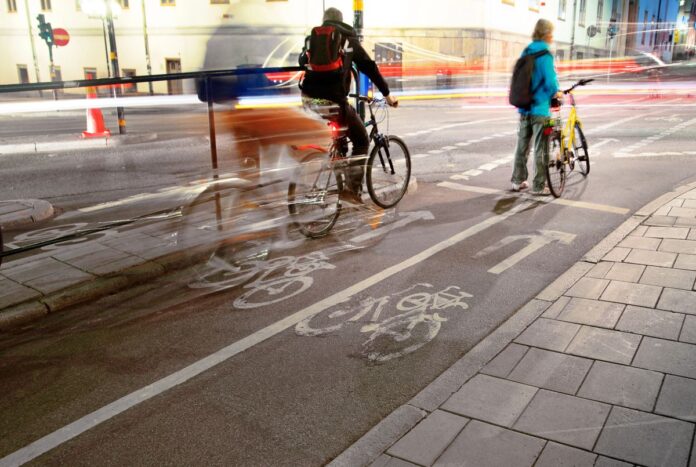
[95,120]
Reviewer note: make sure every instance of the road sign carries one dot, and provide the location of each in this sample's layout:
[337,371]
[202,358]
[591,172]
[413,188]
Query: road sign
[60,37]
[591,31]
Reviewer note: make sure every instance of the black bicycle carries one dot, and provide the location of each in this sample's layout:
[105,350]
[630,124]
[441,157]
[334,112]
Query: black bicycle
[314,195]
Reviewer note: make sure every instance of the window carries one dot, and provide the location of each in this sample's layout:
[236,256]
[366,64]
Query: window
[534,5]
[168,2]
[615,12]
[600,14]
[562,4]
[579,55]
[11,6]
[78,6]
[124,4]
[582,13]
[645,27]
[652,31]
[45,5]
[129,88]
[509,2]
[23,74]
[219,2]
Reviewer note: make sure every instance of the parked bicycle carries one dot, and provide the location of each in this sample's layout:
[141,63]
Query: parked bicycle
[313,197]
[567,145]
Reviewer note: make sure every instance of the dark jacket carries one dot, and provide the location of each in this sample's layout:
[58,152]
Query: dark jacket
[336,86]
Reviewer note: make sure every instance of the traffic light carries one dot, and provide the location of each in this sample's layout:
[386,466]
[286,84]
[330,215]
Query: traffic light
[45,29]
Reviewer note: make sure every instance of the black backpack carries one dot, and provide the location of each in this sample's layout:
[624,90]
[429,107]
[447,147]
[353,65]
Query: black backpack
[521,92]
[325,49]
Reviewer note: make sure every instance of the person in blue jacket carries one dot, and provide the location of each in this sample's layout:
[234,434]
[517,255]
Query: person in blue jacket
[533,121]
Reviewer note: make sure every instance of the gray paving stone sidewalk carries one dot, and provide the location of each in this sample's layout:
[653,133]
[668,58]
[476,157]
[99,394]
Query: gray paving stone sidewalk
[605,376]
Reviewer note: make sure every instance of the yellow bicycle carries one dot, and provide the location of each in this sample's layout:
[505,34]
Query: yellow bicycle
[567,145]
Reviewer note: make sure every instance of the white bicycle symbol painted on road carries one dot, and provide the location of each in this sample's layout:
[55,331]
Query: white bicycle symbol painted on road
[418,322]
[275,280]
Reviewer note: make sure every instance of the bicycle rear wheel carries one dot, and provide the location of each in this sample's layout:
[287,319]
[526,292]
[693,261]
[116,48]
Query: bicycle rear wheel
[580,148]
[313,197]
[555,168]
[388,172]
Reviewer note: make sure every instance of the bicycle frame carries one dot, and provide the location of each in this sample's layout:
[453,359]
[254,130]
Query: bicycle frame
[568,133]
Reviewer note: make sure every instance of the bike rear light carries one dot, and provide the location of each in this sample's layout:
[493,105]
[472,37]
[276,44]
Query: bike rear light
[335,129]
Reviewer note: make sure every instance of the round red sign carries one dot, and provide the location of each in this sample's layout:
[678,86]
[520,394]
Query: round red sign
[60,37]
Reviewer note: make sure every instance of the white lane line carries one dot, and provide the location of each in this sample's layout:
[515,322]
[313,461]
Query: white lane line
[627,151]
[539,199]
[436,151]
[448,148]
[625,120]
[655,154]
[418,156]
[488,167]
[89,421]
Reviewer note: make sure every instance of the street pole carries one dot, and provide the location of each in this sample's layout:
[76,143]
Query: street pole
[572,30]
[147,46]
[114,65]
[33,45]
[363,82]
[106,49]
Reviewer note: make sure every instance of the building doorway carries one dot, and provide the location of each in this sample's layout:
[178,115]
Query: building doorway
[174,66]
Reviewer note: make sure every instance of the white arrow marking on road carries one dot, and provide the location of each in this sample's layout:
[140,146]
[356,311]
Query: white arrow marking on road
[535,243]
[406,218]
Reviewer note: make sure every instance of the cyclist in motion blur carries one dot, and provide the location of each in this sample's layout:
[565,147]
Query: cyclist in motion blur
[328,55]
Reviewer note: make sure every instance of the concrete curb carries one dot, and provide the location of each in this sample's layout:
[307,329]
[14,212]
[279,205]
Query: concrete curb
[35,210]
[29,311]
[366,450]
[76,144]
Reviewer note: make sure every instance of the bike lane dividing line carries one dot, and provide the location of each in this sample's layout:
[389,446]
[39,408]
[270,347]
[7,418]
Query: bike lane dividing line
[93,419]
[538,199]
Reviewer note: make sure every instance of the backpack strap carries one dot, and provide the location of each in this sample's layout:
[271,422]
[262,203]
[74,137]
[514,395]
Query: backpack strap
[536,55]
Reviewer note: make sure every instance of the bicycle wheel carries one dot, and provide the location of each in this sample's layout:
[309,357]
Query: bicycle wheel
[313,197]
[555,168]
[388,172]
[580,149]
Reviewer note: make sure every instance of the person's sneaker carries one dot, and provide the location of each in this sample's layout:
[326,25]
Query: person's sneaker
[544,192]
[351,197]
[520,186]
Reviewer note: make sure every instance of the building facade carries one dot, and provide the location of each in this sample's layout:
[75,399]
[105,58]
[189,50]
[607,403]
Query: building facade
[186,35]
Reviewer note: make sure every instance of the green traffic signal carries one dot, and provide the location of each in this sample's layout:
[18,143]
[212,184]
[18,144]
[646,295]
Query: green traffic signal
[45,29]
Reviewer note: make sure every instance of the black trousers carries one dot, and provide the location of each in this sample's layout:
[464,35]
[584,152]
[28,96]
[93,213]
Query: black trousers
[357,133]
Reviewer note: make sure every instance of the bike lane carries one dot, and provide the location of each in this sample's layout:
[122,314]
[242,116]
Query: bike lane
[293,392]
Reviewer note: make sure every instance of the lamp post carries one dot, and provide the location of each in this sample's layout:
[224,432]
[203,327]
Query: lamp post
[147,47]
[104,10]
[33,44]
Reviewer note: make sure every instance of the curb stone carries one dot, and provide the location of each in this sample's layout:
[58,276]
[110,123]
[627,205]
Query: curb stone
[26,312]
[364,451]
[36,210]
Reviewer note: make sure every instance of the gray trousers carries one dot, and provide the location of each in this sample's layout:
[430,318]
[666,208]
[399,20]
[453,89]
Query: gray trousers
[531,128]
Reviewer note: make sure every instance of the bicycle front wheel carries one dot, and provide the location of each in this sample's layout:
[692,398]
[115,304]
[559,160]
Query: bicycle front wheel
[388,172]
[580,148]
[556,168]
[313,197]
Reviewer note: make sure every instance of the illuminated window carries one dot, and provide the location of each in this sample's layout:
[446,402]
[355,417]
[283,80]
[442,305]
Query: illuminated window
[583,12]
[12,6]
[168,2]
[645,27]
[562,4]
[124,4]
[509,2]
[45,5]
[600,14]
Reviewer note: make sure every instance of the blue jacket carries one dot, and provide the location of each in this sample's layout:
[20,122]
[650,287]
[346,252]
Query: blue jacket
[544,80]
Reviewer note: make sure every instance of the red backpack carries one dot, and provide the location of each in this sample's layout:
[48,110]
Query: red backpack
[325,49]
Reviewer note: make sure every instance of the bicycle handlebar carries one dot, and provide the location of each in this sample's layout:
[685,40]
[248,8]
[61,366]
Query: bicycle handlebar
[582,82]
[369,100]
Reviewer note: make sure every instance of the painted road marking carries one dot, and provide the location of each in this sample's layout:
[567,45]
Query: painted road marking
[455,125]
[91,420]
[406,218]
[539,199]
[656,154]
[627,152]
[535,242]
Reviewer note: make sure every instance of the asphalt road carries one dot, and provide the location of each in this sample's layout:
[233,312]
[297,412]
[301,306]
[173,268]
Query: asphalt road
[304,377]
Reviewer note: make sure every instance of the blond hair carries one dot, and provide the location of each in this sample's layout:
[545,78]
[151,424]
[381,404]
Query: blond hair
[543,28]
